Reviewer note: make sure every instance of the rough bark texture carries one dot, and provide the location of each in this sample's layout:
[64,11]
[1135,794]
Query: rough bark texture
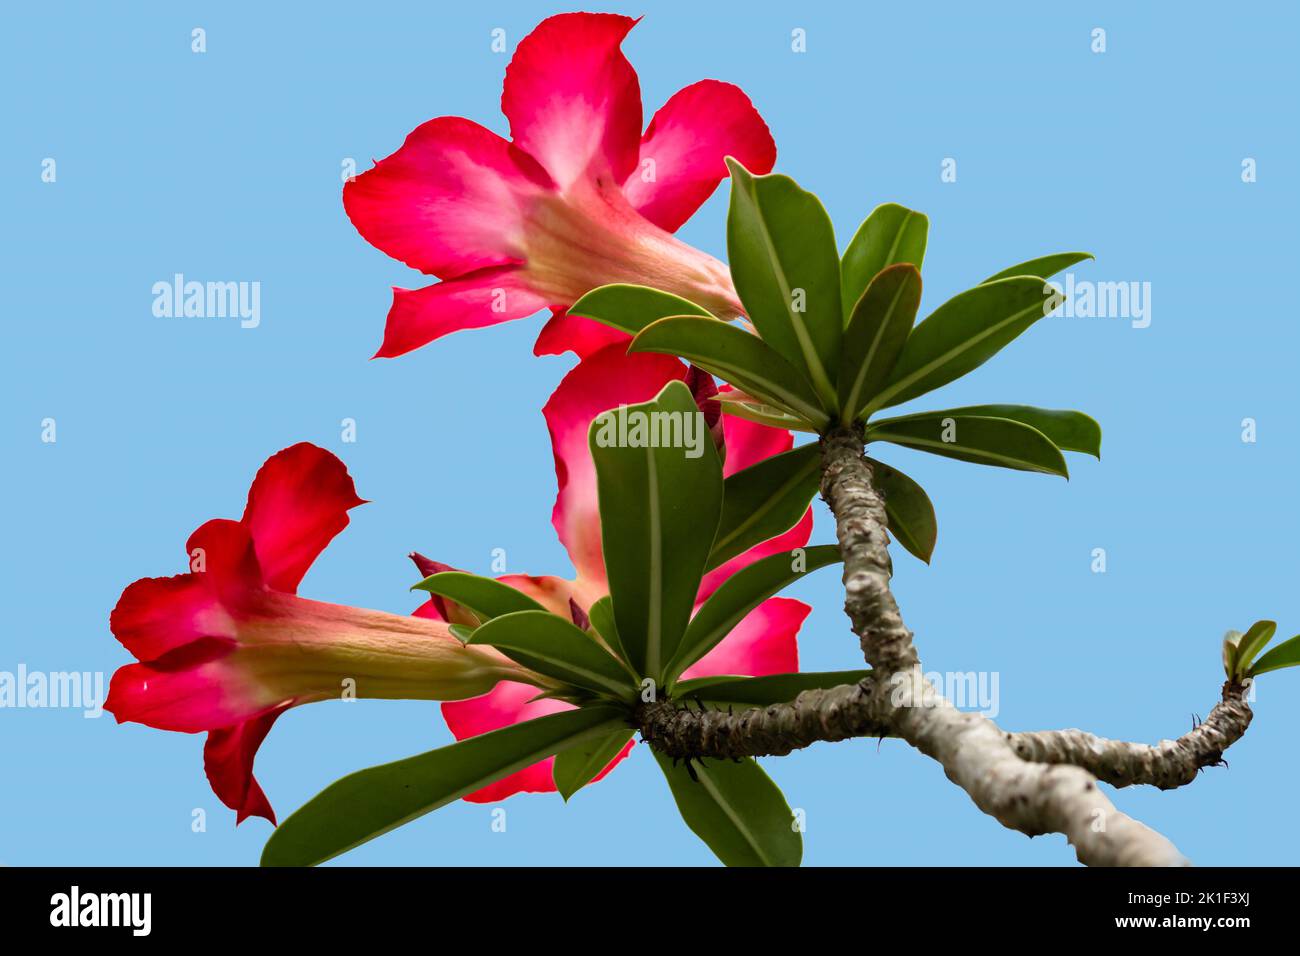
[1042,782]
[1023,795]
[1169,764]
[860,524]
[1033,798]
[677,730]
[682,730]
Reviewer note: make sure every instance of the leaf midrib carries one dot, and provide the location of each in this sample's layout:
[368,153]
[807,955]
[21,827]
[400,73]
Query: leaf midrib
[880,400]
[737,821]
[594,676]
[855,392]
[810,412]
[654,631]
[523,760]
[957,446]
[772,501]
[898,239]
[821,381]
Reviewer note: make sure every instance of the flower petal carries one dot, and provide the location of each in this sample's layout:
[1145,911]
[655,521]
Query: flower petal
[682,151]
[704,390]
[796,537]
[194,688]
[449,201]
[554,593]
[573,99]
[298,502]
[506,704]
[228,761]
[481,298]
[156,615]
[577,334]
[222,552]
[509,703]
[748,442]
[764,642]
[598,383]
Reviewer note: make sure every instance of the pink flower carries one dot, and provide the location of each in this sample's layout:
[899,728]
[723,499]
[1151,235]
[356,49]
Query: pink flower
[229,646]
[579,197]
[763,643]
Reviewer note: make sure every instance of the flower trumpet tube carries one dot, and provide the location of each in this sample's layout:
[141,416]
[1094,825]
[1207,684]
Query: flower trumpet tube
[229,646]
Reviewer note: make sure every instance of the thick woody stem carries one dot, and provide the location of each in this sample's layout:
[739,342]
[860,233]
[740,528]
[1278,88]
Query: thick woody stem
[685,730]
[1169,764]
[1033,798]
[838,713]
[1042,782]
[1023,795]
[860,524]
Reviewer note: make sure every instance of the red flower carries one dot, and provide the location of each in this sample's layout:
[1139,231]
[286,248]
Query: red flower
[579,198]
[763,643]
[229,647]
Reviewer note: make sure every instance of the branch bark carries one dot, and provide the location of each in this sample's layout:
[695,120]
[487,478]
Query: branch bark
[680,730]
[1040,782]
[838,713]
[860,525]
[1020,794]
[1170,764]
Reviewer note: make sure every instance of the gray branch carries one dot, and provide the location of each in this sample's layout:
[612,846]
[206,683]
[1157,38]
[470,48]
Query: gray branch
[1023,795]
[1169,764]
[860,524]
[1041,782]
[684,730]
[676,730]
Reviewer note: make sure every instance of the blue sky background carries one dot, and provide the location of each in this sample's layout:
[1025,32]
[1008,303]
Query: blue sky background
[226,166]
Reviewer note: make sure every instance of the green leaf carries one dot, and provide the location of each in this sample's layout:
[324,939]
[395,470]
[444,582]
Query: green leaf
[763,691]
[1286,654]
[631,308]
[1068,430]
[736,356]
[766,499]
[659,512]
[740,594]
[486,597]
[578,766]
[908,509]
[890,235]
[781,246]
[877,331]
[369,803]
[1230,641]
[1044,267]
[984,441]
[570,695]
[767,415]
[552,646]
[462,632]
[601,615]
[1253,641]
[963,334]
[737,810]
